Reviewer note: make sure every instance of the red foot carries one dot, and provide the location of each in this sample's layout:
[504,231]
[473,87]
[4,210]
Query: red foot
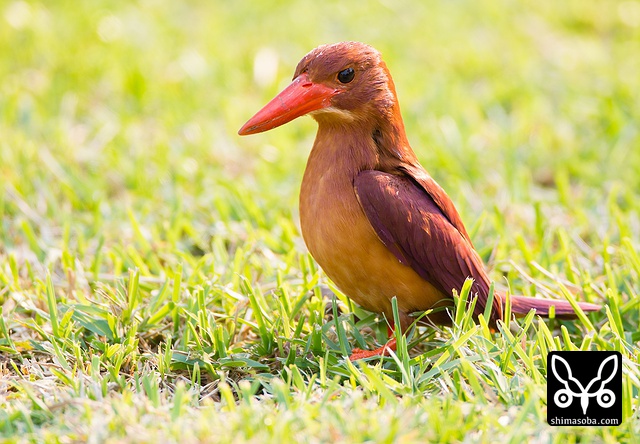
[358,353]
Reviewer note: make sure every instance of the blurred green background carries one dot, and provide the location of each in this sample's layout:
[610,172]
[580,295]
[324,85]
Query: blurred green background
[108,105]
[120,165]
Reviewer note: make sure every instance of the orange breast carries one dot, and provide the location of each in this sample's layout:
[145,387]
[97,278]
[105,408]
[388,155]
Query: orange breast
[340,238]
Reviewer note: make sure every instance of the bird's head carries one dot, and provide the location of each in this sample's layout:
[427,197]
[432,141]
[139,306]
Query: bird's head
[342,82]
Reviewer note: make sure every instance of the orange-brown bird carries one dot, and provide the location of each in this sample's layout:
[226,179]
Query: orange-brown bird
[371,215]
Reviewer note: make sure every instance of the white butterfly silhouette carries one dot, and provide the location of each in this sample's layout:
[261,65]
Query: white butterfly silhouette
[564,397]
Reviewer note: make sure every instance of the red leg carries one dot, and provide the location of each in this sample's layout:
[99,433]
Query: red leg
[358,353]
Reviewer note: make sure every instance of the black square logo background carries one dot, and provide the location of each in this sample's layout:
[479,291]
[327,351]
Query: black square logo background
[598,388]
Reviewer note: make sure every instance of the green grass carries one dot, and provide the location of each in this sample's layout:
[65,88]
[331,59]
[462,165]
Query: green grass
[153,282]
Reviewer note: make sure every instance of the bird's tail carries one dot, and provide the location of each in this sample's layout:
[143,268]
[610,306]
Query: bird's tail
[521,305]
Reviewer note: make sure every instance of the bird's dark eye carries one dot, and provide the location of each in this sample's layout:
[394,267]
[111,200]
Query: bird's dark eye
[346,75]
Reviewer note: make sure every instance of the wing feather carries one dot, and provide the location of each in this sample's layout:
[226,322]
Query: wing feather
[423,231]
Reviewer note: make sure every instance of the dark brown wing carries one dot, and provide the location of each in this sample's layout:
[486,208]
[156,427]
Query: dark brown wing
[438,195]
[414,227]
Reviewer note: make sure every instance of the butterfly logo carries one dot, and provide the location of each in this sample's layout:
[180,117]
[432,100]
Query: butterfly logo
[574,388]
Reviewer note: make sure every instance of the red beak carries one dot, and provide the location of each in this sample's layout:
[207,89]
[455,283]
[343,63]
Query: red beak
[297,99]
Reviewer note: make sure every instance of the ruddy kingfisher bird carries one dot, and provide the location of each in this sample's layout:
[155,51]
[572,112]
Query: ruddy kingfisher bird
[372,217]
